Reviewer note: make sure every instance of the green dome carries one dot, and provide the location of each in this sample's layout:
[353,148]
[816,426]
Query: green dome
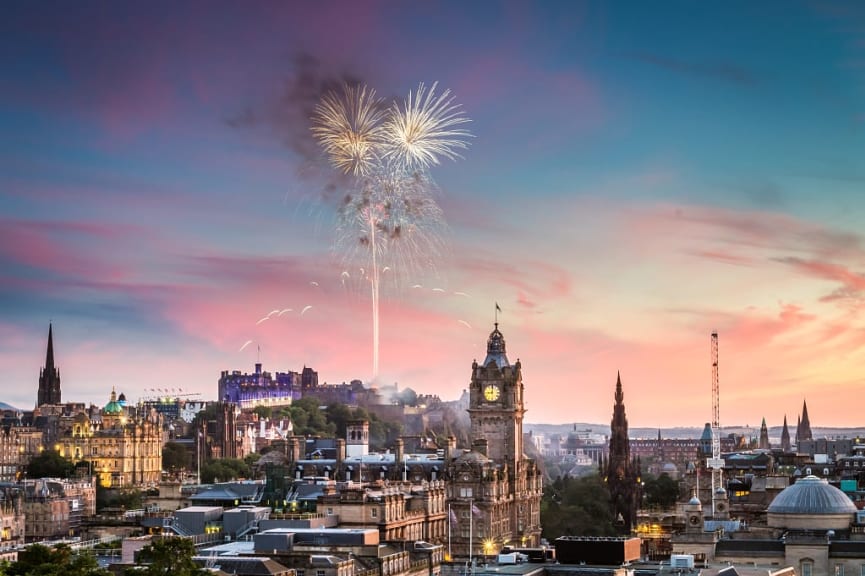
[113,406]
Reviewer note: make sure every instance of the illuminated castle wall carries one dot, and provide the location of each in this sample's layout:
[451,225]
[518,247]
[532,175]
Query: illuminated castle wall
[263,388]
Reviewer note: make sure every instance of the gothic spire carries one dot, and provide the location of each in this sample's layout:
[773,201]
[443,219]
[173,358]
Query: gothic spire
[49,376]
[785,437]
[764,436]
[49,356]
[806,423]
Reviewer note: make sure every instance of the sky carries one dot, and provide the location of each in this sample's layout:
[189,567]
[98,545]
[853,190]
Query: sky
[639,175]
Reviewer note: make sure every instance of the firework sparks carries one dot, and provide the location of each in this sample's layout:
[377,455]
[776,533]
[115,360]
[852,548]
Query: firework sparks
[262,320]
[464,323]
[424,129]
[305,309]
[245,344]
[283,311]
[349,127]
[389,220]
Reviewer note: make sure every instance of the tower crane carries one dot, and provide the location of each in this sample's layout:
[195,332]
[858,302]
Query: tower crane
[715,463]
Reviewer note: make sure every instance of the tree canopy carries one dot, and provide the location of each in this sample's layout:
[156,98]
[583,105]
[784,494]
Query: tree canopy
[61,560]
[175,457]
[50,464]
[223,470]
[576,507]
[169,557]
[662,492]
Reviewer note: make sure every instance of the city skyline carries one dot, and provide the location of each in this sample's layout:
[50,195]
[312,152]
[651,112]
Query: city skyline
[638,176]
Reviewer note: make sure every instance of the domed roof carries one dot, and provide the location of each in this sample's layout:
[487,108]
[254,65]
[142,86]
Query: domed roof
[496,349]
[113,406]
[668,468]
[812,496]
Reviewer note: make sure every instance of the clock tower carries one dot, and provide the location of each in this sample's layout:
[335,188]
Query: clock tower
[494,490]
[496,403]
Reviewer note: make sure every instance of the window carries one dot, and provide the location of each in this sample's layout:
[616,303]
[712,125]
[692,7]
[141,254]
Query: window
[319,573]
[465,492]
[806,568]
[839,570]
[862,570]
[330,511]
[299,572]
[373,513]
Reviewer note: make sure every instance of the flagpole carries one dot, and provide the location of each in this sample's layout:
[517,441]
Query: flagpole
[471,531]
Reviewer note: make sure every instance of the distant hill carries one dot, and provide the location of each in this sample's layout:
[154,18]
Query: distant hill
[690,432]
[5,406]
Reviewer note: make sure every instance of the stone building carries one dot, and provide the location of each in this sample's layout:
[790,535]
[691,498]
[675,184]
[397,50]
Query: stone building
[811,526]
[11,520]
[494,490]
[622,473]
[18,444]
[122,445]
[56,508]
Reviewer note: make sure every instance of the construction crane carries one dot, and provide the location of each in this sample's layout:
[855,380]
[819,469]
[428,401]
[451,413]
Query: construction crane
[715,463]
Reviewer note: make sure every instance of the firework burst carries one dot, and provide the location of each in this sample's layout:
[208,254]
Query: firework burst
[389,219]
[348,125]
[424,129]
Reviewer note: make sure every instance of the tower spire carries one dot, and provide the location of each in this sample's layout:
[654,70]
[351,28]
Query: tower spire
[805,424]
[785,437]
[49,376]
[49,355]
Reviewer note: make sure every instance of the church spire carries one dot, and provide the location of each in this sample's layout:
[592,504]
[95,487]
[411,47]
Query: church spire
[785,437]
[49,356]
[805,424]
[764,437]
[49,376]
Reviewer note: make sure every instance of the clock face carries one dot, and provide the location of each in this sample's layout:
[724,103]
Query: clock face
[492,393]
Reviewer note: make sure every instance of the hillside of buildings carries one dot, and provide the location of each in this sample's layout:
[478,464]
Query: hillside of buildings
[685,432]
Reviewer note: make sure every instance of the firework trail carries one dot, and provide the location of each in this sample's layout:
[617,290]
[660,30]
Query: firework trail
[388,220]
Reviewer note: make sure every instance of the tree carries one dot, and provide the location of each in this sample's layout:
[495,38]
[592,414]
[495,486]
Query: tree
[576,507]
[61,560]
[175,457]
[50,464]
[169,557]
[223,470]
[263,411]
[662,491]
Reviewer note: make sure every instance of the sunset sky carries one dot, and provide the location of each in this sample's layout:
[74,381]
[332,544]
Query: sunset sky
[640,174]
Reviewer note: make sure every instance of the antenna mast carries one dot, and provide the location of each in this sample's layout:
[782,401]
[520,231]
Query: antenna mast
[716,463]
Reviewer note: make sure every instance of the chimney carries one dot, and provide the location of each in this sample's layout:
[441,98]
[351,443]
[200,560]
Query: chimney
[294,448]
[450,449]
[340,451]
[480,445]
[399,454]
